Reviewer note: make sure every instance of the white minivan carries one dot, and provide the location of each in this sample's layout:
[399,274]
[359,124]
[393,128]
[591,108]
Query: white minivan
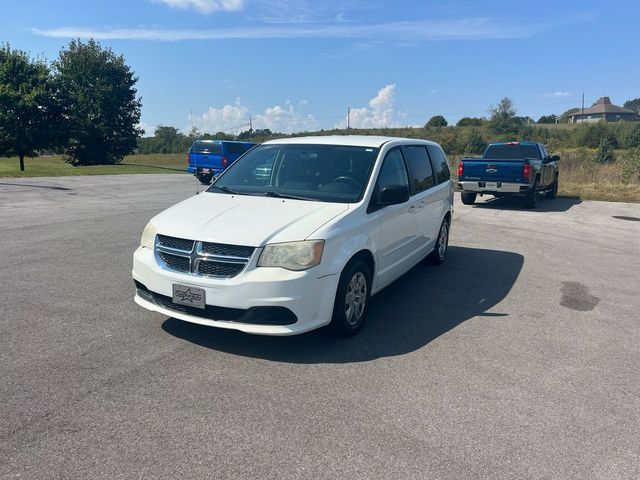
[297,234]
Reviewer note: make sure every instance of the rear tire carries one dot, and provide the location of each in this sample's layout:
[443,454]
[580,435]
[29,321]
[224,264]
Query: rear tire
[468,198]
[439,254]
[205,179]
[531,198]
[352,299]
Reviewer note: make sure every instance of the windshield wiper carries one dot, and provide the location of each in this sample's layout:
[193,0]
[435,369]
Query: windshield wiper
[227,190]
[285,195]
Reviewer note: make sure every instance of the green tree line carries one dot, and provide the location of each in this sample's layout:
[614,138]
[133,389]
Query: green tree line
[83,105]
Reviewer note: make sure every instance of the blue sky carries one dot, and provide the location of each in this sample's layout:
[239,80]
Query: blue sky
[298,65]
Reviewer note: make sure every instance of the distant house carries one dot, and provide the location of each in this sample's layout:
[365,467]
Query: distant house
[603,109]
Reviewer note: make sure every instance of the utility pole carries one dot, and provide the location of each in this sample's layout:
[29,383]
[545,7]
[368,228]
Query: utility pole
[250,124]
[348,118]
[582,111]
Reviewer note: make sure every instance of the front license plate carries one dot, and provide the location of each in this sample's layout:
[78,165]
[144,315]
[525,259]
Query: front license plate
[189,296]
[205,170]
[491,185]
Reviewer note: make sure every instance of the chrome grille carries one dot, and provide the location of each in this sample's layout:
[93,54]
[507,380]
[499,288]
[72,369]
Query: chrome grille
[175,243]
[175,262]
[222,249]
[219,269]
[202,258]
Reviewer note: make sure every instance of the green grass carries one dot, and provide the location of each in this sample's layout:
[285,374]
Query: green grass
[55,166]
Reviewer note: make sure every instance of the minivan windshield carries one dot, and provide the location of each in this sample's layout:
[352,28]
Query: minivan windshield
[326,173]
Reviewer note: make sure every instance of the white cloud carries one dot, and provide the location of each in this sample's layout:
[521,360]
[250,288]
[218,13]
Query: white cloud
[205,6]
[235,117]
[148,128]
[558,94]
[413,31]
[380,113]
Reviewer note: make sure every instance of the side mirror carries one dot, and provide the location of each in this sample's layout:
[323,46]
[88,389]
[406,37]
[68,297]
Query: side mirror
[393,195]
[555,158]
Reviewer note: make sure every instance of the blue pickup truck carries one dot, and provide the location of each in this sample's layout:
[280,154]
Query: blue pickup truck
[510,168]
[208,158]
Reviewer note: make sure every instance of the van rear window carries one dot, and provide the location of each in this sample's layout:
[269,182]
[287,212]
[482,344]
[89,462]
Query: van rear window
[206,147]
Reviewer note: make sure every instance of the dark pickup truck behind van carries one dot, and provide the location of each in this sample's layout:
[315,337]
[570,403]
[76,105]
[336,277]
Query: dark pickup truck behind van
[510,168]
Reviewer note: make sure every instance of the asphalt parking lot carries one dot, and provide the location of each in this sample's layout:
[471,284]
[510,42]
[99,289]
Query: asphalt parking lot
[517,358]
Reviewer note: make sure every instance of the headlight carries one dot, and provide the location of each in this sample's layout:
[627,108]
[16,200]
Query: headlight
[148,236]
[292,255]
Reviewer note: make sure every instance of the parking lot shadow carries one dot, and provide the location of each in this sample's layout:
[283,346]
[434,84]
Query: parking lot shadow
[417,308]
[560,204]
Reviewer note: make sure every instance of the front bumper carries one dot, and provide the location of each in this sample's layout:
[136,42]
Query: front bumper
[493,187]
[241,302]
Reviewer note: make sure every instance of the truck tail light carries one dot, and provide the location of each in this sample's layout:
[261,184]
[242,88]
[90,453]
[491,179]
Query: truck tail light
[188,158]
[526,170]
[225,162]
[460,168]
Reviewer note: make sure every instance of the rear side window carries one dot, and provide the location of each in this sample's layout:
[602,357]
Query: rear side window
[236,147]
[201,146]
[420,171]
[440,164]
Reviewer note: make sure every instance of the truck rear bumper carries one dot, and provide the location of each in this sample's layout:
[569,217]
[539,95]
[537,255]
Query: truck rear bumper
[493,187]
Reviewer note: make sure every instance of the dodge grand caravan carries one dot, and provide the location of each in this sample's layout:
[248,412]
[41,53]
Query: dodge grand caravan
[298,234]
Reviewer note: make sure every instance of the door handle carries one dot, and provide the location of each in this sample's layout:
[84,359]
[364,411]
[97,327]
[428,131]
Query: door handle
[412,208]
[421,204]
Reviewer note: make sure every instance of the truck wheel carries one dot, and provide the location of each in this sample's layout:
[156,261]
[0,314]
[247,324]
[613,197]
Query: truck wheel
[204,179]
[439,253]
[352,299]
[531,198]
[553,193]
[468,198]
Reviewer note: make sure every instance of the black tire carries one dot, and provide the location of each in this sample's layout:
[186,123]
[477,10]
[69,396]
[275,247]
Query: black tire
[349,315]
[553,193]
[531,198]
[439,253]
[468,198]
[205,179]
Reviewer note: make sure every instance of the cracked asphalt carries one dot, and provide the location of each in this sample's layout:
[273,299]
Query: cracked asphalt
[517,358]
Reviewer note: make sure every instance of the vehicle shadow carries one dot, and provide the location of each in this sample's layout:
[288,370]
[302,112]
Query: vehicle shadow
[560,204]
[417,308]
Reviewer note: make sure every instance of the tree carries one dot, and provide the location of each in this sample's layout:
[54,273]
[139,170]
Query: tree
[29,112]
[548,119]
[633,105]
[101,109]
[503,117]
[605,153]
[564,118]
[436,121]
[470,122]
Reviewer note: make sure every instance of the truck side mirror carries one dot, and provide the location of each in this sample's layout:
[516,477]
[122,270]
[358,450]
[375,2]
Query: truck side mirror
[555,158]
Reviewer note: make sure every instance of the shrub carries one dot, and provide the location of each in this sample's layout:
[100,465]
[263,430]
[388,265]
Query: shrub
[630,171]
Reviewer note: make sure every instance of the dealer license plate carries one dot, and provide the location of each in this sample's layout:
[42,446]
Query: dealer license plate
[491,185]
[189,296]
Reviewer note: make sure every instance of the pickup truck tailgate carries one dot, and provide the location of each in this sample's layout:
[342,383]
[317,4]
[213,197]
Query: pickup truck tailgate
[493,171]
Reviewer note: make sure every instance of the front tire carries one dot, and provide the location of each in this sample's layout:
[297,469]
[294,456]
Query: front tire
[468,198]
[352,299]
[439,254]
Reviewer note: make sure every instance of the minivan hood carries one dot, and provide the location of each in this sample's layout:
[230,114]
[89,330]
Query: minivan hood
[245,220]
